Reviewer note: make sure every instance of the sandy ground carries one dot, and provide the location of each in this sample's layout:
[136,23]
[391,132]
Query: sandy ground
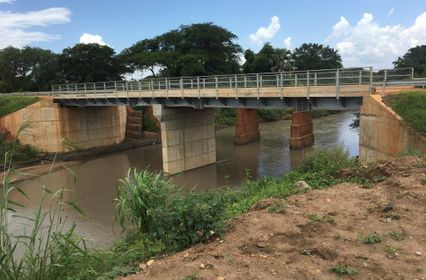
[292,245]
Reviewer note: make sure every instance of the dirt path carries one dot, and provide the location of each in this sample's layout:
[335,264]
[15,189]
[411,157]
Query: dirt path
[378,232]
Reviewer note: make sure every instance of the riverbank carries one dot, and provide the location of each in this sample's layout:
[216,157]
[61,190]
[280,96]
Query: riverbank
[42,163]
[378,233]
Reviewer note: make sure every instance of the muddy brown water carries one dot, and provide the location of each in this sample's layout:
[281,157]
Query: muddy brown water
[92,183]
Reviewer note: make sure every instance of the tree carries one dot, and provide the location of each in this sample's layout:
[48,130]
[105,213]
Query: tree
[27,69]
[268,59]
[90,63]
[196,49]
[316,56]
[416,58]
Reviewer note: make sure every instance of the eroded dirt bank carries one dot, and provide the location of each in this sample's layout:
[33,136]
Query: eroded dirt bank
[370,233]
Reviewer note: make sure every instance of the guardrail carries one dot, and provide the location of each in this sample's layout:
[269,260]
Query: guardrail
[362,76]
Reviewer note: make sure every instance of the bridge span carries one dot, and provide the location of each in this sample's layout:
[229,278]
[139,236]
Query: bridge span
[94,114]
[332,89]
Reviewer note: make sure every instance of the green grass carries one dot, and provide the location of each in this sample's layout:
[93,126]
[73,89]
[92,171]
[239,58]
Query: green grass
[411,106]
[342,269]
[372,238]
[10,104]
[21,152]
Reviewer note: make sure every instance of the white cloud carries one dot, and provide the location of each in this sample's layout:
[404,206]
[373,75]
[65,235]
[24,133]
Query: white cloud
[369,44]
[13,26]
[391,11]
[287,42]
[87,38]
[264,34]
[6,1]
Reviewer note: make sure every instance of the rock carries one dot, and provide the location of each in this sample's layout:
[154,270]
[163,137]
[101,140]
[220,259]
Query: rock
[220,278]
[302,186]
[265,203]
[418,253]
[142,266]
[261,245]
[202,265]
[150,262]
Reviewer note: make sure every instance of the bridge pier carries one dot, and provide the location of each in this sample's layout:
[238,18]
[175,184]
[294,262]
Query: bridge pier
[247,127]
[302,134]
[187,138]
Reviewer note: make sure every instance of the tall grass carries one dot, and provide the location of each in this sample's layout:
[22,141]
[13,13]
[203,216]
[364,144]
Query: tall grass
[46,245]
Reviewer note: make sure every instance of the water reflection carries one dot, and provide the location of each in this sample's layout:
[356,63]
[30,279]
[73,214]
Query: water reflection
[93,182]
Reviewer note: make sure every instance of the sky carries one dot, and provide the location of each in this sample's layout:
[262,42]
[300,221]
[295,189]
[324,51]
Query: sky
[366,32]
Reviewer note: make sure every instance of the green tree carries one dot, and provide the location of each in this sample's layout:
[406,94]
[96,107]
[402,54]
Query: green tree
[90,63]
[196,49]
[27,69]
[416,58]
[316,56]
[268,59]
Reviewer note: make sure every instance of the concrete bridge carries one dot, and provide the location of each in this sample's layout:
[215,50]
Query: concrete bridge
[184,105]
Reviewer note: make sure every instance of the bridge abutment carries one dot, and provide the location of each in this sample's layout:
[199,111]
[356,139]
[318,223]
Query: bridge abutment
[247,127]
[302,133]
[187,138]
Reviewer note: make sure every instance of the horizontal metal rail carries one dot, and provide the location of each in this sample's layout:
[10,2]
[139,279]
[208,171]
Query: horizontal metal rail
[238,85]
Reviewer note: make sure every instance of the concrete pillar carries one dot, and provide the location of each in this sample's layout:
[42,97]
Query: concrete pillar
[187,138]
[133,124]
[247,127]
[302,134]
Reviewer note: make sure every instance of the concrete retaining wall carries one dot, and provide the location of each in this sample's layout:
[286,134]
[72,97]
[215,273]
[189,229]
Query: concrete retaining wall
[55,129]
[383,133]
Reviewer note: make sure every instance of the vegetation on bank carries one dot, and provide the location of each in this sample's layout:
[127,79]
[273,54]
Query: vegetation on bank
[21,152]
[411,106]
[159,219]
[10,104]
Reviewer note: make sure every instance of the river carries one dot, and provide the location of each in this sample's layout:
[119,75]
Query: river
[92,183]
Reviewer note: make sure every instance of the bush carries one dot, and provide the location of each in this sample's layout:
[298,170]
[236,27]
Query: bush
[327,161]
[149,203]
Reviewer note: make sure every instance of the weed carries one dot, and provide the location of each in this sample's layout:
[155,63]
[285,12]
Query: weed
[397,235]
[279,207]
[192,276]
[342,269]
[372,238]
[419,269]
[391,251]
[423,181]
[316,217]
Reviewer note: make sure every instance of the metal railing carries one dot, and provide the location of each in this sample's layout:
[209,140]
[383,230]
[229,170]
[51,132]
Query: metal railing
[362,76]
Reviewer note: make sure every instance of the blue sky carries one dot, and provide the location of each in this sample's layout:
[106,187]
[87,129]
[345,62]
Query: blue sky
[366,32]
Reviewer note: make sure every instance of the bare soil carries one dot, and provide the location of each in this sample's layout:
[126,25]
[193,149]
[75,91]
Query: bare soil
[319,230]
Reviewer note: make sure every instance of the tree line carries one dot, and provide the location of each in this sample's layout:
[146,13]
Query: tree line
[190,50]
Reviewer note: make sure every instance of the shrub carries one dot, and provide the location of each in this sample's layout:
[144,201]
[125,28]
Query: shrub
[327,161]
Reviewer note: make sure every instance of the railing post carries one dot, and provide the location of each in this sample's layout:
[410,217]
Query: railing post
[278,80]
[204,83]
[337,83]
[236,87]
[308,82]
[127,90]
[315,79]
[181,86]
[105,90]
[370,89]
[85,89]
[192,84]
[360,77]
[167,88]
[140,89]
[216,86]
[295,80]
[152,88]
[257,85]
[385,77]
[281,84]
[412,73]
[198,86]
[245,81]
